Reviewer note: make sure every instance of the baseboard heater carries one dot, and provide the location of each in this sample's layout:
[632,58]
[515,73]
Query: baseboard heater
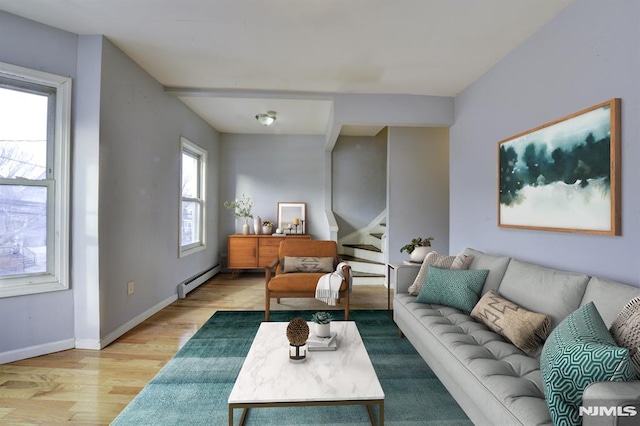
[193,282]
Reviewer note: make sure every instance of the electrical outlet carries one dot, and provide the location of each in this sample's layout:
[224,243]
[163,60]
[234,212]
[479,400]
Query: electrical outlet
[130,286]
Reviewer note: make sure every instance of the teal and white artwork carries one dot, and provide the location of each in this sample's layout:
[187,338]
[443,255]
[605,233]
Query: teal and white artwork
[563,176]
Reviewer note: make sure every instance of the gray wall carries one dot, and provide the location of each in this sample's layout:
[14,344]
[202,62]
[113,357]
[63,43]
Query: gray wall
[28,321]
[359,180]
[417,188]
[269,169]
[85,276]
[125,193]
[140,129]
[588,54]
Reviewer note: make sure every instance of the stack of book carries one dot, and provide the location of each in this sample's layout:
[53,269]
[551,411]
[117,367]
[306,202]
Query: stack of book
[315,343]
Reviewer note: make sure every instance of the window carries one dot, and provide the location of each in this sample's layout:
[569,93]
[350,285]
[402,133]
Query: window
[35,116]
[192,209]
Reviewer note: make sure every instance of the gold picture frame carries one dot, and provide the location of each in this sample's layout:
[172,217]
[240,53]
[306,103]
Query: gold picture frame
[564,175]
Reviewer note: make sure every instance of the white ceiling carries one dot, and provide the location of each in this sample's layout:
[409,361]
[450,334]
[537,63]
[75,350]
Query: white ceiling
[236,56]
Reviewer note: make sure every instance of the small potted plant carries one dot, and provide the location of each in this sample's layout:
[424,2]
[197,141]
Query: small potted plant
[267,227]
[322,322]
[241,208]
[418,248]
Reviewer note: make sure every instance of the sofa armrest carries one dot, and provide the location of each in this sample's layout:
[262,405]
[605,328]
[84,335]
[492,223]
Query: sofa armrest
[404,277]
[609,403]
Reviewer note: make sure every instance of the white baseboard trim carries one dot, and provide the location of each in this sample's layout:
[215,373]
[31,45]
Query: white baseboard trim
[111,337]
[33,351]
[92,344]
[193,282]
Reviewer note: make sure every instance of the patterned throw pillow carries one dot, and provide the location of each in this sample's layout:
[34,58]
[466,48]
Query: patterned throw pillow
[307,264]
[439,261]
[456,288]
[625,330]
[525,329]
[578,352]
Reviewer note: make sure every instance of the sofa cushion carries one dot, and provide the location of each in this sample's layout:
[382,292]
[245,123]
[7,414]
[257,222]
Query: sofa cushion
[580,351]
[456,288]
[609,297]
[548,291]
[496,265]
[299,283]
[308,264]
[432,258]
[626,331]
[525,329]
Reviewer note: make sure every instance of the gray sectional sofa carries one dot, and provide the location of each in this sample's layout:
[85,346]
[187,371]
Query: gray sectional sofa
[493,381]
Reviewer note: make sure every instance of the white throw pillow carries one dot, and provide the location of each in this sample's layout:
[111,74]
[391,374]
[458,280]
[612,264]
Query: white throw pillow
[461,261]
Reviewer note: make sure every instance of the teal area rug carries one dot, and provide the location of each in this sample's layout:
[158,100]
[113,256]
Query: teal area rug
[193,388]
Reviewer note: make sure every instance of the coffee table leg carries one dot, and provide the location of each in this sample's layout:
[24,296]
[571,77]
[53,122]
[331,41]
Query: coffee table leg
[380,412]
[244,416]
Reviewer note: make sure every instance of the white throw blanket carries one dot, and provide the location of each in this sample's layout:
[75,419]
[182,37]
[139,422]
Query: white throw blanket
[328,288]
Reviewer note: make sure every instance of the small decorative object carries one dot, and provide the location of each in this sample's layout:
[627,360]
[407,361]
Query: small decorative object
[418,248]
[296,222]
[297,333]
[278,231]
[565,175]
[241,208]
[267,227]
[323,323]
[256,224]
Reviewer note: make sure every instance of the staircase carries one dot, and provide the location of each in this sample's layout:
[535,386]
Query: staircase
[364,251]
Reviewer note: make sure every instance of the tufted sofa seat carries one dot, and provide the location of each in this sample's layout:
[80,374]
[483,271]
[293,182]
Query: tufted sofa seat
[502,368]
[493,381]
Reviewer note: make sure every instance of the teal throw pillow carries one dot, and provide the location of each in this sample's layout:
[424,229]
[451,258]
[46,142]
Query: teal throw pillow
[450,287]
[578,352]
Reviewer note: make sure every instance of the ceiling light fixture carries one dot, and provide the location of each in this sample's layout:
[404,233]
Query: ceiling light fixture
[266,119]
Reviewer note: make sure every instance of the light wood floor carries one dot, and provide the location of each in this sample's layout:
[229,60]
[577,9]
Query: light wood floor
[92,387]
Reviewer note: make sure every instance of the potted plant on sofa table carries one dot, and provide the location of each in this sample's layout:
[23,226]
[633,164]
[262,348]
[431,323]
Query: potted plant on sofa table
[418,248]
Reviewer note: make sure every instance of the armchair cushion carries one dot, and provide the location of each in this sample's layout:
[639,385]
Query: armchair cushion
[302,283]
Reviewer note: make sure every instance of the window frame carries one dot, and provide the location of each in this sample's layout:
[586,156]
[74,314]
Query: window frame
[200,154]
[57,182]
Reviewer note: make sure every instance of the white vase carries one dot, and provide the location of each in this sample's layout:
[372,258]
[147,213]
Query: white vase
[419,253]
[323,330]
[257,223]
[267,230]
[245,228]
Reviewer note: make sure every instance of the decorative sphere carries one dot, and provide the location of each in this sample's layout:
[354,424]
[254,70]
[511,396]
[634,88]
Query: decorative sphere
[278,231]
[297,332]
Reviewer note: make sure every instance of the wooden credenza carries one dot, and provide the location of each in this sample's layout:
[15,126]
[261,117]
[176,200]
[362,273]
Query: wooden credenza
[254,251]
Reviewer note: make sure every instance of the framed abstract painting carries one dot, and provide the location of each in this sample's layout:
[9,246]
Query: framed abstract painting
[565,175]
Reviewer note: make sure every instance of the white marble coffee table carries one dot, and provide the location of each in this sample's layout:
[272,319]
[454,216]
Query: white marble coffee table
[342,377]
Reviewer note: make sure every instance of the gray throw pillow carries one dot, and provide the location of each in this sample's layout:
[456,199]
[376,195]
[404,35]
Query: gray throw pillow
[525,329]
[308,264]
